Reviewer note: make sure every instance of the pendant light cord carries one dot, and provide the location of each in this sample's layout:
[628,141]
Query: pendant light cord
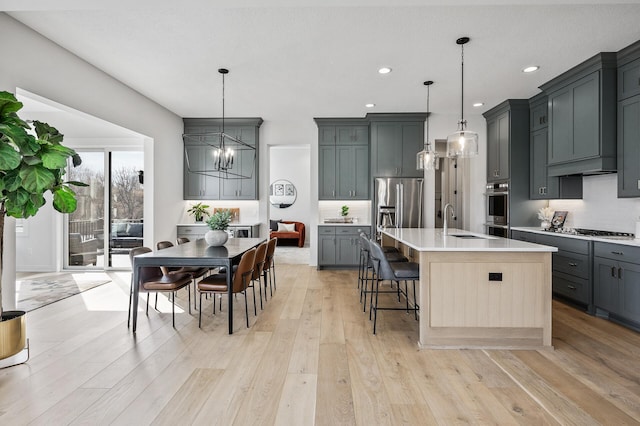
[462,85]
[223,104]
[427,141]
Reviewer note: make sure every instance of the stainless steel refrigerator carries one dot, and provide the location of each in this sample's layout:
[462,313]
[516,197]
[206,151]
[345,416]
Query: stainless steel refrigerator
[398,202]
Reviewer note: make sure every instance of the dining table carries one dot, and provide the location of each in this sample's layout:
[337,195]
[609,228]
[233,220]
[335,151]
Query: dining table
[194,253]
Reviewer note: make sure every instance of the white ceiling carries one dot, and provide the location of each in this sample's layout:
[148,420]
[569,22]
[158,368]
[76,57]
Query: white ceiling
[295,60]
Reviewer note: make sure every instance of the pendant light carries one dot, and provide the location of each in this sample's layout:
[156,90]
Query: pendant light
[219,161]
[463,143]
[427,159]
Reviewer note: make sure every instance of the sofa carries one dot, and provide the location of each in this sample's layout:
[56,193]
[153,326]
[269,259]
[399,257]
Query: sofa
[295,235]
[126,235]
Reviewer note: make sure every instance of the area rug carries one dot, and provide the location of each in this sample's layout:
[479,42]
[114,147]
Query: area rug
[292,255]
[35,293]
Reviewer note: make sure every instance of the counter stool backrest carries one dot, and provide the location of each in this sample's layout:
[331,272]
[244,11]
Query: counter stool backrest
[381,265]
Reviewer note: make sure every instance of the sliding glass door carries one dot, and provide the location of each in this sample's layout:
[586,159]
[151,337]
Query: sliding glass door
[109,219]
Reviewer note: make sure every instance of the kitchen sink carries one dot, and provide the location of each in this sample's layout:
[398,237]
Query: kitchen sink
[467,236]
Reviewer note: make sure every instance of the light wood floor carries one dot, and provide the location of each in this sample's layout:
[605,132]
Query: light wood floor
[309,358]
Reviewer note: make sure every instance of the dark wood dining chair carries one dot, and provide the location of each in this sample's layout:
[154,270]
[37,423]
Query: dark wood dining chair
[154,279]
[217,283]
[195,271]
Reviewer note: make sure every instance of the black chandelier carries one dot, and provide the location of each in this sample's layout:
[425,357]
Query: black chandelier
[219,161]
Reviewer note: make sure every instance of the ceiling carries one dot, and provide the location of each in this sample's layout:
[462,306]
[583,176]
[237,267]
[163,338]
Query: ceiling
[298,59]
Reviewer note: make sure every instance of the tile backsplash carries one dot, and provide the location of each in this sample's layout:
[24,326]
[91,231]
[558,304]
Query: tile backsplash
[600,207]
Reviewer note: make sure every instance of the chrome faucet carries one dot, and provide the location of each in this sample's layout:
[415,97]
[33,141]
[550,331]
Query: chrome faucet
[453,212]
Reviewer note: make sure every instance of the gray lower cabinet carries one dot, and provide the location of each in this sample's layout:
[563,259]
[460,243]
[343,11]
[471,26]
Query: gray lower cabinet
[200,186]
[617,282]
[572,275]
[339,246]
[395,141]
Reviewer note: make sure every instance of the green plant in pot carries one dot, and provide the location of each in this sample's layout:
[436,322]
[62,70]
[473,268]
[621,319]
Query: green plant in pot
[198,211]
[344,211]
[29,167]
[218,223]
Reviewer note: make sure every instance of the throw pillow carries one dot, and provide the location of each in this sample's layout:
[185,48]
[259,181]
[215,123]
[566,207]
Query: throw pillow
[273,224]
[286,227]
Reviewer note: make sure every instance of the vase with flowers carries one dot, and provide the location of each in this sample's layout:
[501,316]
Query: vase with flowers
[545,214]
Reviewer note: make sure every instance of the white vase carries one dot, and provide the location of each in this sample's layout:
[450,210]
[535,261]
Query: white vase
[216,237]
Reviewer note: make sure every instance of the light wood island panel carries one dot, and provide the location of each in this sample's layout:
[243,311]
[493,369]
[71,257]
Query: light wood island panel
[461,307]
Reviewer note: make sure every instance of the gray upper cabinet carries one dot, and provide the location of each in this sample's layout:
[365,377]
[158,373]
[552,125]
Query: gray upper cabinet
[581,117]
[507,140]
[629,121]
[498,147]
[543,186]
[395,141]
[629,147]
[199,186]
[343,152]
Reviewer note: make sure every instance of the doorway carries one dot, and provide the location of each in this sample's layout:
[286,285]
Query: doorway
[109,220]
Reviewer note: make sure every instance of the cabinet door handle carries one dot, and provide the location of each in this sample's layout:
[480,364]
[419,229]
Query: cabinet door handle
[619,253]
[354,192]
[619,273]
[613,271]
[333,193]
[571,287]
[573,264]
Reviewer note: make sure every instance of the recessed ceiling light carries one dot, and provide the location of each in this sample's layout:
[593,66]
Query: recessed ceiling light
[531,69]
[478,104]
[384,70]
[370,105]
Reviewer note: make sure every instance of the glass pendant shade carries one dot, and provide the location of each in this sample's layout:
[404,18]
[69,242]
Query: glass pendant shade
[462,144]
[427,160]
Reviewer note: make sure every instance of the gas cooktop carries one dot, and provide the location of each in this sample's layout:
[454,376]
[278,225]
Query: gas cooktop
[614,235]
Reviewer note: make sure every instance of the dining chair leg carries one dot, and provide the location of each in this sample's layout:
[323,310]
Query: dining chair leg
[255,310]
[156,305]
[130,302]
[148,295]
[246,307]
[189,294]
[200,313]
[260,289]
[273,268]
[173,309]
[194,294]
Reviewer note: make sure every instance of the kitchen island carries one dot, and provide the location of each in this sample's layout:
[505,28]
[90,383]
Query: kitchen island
[479,291]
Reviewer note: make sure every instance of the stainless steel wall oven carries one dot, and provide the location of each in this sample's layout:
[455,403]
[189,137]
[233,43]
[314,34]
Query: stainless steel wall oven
[497,195]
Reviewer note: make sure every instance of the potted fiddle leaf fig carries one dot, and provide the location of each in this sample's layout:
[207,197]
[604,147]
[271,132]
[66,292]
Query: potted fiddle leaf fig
[218,222]
[30,165]
[198,211]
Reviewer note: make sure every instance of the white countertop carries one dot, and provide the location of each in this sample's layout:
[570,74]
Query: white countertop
[433,239]
[232,224]
[612,240]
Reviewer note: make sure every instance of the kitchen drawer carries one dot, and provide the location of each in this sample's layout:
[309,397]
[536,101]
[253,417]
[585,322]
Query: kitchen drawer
[350,230]
[571,263]
[192,231]
[574,288]
[619,252]
[574,245]
[529,237]
[326,230]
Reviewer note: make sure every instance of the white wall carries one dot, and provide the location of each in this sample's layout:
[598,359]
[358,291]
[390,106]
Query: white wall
[36,64]
[292,163]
